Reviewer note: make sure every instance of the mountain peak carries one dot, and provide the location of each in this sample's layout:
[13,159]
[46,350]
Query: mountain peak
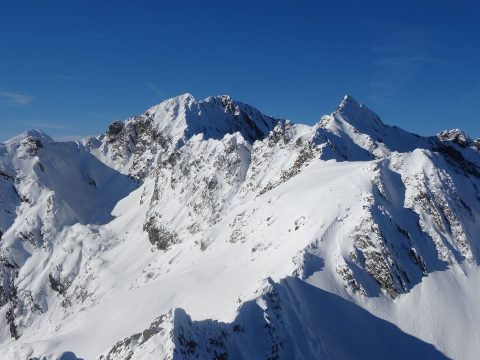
[183,98]
[172,123]
[357,114]
[348,102]
[183,116]
[457,136]
[34,133]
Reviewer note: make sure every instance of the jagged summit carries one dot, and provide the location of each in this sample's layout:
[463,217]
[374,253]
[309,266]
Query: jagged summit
[137,143]
[352,132]
[456,136]
[181,117]
[357,114]
[348,100]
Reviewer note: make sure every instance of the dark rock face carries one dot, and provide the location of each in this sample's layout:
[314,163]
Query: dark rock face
[243,118]
[115,131]
[115,128]
[10,316]
[159,235]
[456,136]
[8,273]
[6,176]
[56,285]
[139,140]
[32,145]
[8,295]
[280,133]
[454,156]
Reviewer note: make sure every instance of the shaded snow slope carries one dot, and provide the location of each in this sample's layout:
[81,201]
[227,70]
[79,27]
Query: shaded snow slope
[205,228]
[330,327]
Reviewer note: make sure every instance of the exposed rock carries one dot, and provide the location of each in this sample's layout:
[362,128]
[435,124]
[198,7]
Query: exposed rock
[159,235]
[32,145]
[114,130]
[456,136]
[56,285]
[456,157]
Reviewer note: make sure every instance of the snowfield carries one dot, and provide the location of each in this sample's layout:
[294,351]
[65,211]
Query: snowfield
[207,230]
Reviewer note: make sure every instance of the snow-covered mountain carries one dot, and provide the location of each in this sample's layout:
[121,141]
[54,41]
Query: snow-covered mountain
[207,230]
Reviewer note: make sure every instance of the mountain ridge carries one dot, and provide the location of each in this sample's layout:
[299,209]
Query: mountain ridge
[193,204]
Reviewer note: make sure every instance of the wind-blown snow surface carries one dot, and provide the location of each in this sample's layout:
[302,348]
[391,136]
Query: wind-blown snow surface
[205,229]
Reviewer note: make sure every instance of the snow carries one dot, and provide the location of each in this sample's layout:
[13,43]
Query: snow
[346,239]
[36,133]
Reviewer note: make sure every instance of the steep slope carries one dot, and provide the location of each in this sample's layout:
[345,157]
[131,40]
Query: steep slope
[48,188]
[205,229]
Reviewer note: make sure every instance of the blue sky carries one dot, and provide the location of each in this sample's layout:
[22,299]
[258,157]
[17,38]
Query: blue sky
[72,67]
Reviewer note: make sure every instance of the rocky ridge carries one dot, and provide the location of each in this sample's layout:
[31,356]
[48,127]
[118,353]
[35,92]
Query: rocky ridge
[189,183]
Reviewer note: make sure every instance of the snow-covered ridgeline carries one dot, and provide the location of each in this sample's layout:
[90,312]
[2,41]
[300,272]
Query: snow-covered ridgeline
[207,205]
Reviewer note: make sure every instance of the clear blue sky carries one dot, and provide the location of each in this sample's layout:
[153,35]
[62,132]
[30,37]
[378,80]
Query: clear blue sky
[72,67]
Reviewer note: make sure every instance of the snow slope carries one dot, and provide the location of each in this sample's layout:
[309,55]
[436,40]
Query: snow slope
[205,229]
